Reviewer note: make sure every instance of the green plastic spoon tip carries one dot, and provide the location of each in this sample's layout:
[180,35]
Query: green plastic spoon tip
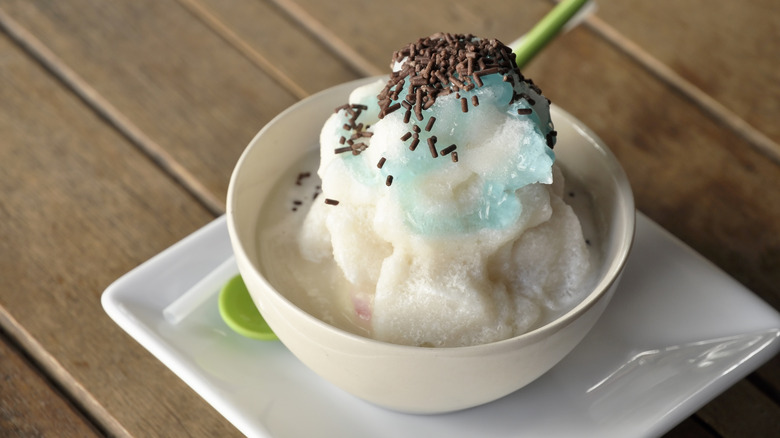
[239,312]
[544,31]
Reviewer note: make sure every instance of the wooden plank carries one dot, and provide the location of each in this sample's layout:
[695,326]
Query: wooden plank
[179,82]
[722,48]
[376,32]
[690,427]
[697,179]
[80,207]
[254,27]
[30,406]
[761,411]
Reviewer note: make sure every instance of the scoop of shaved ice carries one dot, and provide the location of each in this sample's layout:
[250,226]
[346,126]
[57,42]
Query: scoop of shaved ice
[450,225]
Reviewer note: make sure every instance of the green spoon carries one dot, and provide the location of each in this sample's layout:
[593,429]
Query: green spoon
[239,312]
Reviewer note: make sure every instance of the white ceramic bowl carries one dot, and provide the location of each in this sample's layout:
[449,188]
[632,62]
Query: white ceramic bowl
[417,379]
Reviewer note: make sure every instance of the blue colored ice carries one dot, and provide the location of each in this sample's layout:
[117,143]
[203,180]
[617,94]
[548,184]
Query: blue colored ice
[530,162]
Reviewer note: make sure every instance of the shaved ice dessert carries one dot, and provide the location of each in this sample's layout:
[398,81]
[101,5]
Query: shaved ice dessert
[440,218]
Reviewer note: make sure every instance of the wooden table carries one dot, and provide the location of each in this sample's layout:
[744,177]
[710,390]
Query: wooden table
[121,122]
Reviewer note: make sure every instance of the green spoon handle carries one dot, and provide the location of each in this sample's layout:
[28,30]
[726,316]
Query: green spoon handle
[546,30]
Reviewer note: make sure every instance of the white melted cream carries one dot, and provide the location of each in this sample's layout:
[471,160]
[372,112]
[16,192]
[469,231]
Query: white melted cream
[321,288]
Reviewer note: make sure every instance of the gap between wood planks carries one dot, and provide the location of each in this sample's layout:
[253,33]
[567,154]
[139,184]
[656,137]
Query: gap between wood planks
[320,32]
[59,377]
[104,109]
[84,401]
[202,13]
[706,103]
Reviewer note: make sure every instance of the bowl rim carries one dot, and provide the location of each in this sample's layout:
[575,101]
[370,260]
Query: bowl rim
[626,208]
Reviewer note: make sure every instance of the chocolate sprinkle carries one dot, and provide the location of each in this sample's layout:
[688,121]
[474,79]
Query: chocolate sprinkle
[458,83]
[550,137]
[357,148]
[392,108]
[431,121]
[432,146]
[381,162]
[478,79]
[475,100]
[357,130]
[454,156]
[448,149]
[524,111]
[301,177]
[389,180]
[406,136]
[331,201]
[464,105]
[418,104]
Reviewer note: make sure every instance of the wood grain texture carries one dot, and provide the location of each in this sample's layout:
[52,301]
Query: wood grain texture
[168,72]
[30,406]
[374,33]
[322,33]
[727,49]
[719,112]
[691,427]
[77,85]
[80,207]
[254,27]
[762,413]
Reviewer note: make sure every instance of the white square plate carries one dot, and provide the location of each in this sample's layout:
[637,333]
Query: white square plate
[678,332]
